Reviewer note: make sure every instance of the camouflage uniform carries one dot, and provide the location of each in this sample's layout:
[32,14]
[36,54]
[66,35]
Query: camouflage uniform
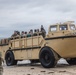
[1,68]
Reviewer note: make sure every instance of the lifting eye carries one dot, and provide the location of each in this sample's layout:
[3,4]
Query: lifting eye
[52,34]
[63,32]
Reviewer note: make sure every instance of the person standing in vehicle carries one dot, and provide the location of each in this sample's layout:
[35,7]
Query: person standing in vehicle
[43,31]
[14,34]
[22,34]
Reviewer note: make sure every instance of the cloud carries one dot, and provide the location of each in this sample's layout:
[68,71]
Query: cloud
[27,14]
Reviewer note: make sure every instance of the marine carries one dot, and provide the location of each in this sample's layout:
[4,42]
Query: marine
[1,68]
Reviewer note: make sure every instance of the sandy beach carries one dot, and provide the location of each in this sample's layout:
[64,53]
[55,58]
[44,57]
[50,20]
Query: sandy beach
[23,68]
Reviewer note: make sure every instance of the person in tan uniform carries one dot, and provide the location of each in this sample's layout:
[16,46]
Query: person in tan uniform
[14,34]
[43,32]
[1,68]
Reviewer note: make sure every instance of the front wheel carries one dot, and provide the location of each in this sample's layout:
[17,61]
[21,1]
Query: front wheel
[47,58]
[9,57]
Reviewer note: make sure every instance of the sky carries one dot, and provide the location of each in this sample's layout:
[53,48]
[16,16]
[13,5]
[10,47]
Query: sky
[23,15]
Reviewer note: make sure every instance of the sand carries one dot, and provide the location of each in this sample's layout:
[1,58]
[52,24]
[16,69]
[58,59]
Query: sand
[62,68]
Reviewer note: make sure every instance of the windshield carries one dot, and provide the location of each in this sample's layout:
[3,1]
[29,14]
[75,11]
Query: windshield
[53,28]
[72,27]
[63,27]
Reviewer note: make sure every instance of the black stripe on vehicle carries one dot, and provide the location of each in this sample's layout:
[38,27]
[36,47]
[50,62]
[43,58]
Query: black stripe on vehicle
[26,48]
[60,37]
[3,44]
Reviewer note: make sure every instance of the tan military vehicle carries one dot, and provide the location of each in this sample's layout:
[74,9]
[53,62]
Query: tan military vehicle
[60,42]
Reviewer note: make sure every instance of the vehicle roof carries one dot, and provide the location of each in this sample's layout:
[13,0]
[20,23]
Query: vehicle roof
[63,24]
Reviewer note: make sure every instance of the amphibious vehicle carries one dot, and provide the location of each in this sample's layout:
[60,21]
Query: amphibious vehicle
[60,42]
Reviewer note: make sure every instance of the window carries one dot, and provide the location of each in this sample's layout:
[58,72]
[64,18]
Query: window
[72,27]
[53,28]
[63,27]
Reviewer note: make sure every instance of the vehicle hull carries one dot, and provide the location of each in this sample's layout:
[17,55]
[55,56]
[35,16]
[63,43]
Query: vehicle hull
[65,46]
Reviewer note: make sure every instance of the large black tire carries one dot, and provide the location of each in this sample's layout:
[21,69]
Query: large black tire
[47,58]
[9,58]
[72,61]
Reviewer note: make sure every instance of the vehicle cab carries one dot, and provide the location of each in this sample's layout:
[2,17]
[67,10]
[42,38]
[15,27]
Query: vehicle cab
[65,29]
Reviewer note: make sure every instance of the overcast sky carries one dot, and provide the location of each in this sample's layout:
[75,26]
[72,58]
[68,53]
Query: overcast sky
[30,14]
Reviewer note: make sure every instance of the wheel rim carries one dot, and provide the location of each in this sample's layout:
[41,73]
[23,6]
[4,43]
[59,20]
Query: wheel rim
[8,59]
[46,58]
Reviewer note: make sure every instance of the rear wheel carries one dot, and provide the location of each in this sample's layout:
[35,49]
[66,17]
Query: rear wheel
[72,61]
[47,58]
[9,57]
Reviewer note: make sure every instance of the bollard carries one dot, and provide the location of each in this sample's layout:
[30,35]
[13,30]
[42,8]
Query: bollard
[1,68]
